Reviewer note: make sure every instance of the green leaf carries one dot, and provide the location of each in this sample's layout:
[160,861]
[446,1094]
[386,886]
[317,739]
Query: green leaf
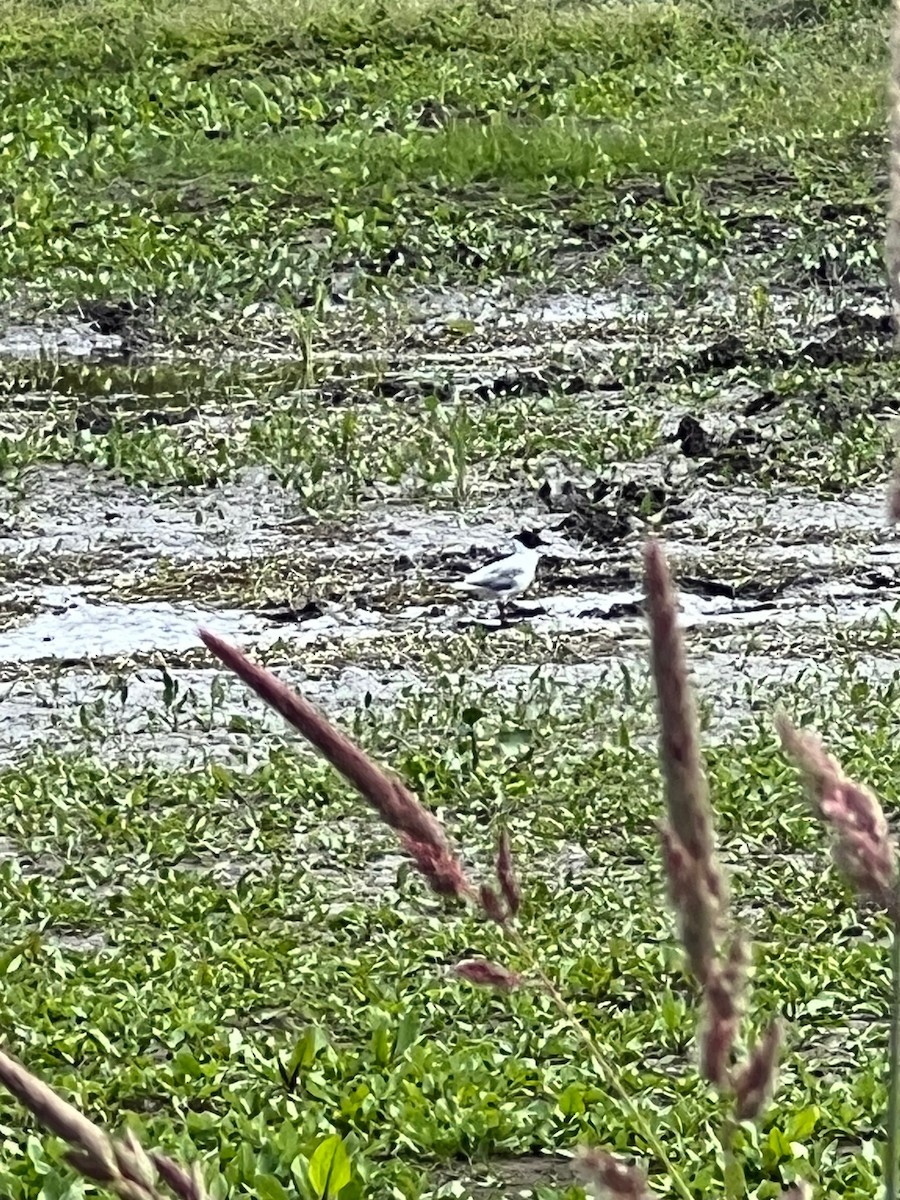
[460,326]
[513,741]
[407,1032]
[307,1047]
[779,1143]
[803,1123]
[61,1187]
[381,1044]
[269,1188]
[329,1168]
[571,1100]
[735,1184]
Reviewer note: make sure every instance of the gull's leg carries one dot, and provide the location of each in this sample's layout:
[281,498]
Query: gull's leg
[501,609]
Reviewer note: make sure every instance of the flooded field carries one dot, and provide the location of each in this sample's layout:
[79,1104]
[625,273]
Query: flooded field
[575,418]
[306,311]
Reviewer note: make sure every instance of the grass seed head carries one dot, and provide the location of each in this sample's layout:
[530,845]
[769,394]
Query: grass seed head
[755,1082]
[609,1177]
[421,834]
[506,874]
[861,845]
[187,1185]
[439,865]
[723,1002]
[893,496]
[487,974]
[694,903]
[492,904]
[687,799]
[122,1167]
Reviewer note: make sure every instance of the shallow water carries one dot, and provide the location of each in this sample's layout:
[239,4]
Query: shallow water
[102,582]
[68,339]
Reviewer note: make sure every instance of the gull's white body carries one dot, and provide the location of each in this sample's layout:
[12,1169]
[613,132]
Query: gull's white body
[503,580]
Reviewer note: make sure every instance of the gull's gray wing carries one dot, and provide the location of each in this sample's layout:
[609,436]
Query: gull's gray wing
[499,577]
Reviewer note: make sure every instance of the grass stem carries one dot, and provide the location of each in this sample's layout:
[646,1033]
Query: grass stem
[892,1141]
[607,1072]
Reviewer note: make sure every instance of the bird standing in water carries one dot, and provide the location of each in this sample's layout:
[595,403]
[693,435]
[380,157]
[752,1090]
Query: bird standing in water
[504,579]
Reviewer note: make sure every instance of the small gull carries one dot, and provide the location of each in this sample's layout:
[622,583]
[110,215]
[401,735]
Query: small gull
[504,579]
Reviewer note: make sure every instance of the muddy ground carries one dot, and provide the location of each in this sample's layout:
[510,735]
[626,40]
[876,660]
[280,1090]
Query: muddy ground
[104,576]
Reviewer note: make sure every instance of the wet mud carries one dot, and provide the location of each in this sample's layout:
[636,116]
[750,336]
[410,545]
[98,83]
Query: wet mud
[103,582]
[73,339]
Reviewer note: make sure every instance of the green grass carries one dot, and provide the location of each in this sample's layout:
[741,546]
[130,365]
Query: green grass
[341,445]
[340,455]
[208,157]
[312,997]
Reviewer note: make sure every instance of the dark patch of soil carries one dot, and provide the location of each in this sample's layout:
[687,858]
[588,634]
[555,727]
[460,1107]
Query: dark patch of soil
[694,439]
[99,420]
[748,589]
[288,615]
[605,512]
[125,319]
[738,453]
[850,337]
[541,382]
[505,1178]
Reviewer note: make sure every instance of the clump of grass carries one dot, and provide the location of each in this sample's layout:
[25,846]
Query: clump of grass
[219,158]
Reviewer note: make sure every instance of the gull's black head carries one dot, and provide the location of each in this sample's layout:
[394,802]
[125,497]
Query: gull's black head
[529,538]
